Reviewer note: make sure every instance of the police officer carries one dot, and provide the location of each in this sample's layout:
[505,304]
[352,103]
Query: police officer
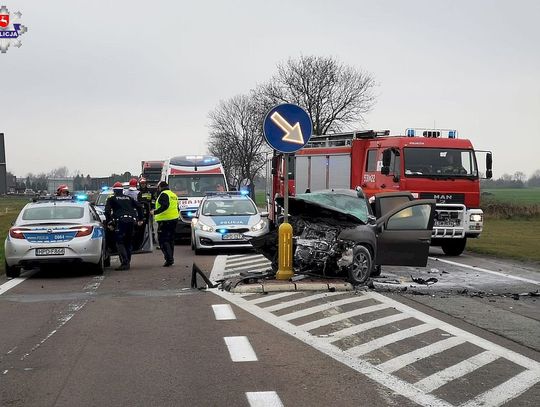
[125,212]
[166,215]
[63,190]
[145,196]
[132,190]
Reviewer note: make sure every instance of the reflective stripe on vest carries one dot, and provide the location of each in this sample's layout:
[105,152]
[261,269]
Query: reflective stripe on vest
[172,211]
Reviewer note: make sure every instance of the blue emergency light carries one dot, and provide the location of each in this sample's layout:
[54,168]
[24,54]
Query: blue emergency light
[222,231]
[81,197]
[104,188]
[244,192]
[190,214]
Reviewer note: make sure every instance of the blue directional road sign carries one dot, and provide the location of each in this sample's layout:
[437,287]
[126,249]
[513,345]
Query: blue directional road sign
[287,128]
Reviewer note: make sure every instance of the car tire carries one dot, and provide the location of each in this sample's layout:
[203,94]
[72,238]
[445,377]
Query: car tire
[193,242]
[99,268]
[454,247]
[376,271]
[362,265]
[12,271]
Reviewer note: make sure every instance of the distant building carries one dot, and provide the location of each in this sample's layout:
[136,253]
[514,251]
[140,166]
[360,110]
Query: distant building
[54,183]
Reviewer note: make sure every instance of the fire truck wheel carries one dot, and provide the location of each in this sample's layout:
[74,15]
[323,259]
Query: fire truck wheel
[376,271]
[362,264]
[454,247]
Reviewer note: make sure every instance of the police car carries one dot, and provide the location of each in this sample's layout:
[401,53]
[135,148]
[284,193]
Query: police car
[56,230]
[225,220]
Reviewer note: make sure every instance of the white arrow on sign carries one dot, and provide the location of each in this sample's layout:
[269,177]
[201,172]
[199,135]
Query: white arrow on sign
[293,134]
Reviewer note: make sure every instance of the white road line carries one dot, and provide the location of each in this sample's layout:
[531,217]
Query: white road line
[223,312]
[388,339]
[392,382]
[458,370]
[271,297]
[240,349]
[246,267]
[302,300]
[343,333]
[401,361]
[237,256]
[322,307]
[469,337]
[14,282]
[506,391]
[341,316]
[259,259]
[264,399]
[497,273]
[218,268]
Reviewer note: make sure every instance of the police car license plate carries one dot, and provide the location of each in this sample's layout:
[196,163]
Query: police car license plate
[233,236]
[51,251]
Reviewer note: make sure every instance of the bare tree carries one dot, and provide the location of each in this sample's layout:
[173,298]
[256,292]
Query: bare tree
[236,137]
[334,95]
[60,172]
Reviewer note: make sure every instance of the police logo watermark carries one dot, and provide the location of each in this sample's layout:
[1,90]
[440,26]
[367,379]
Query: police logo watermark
[10,29]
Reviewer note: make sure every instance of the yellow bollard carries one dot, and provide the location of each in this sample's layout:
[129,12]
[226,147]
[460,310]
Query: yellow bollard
[285,270]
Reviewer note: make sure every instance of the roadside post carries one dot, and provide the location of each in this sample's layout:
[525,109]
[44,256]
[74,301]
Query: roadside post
[287,128]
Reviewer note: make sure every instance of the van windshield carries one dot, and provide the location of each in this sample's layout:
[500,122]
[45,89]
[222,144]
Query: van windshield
[196,185]
[443,162]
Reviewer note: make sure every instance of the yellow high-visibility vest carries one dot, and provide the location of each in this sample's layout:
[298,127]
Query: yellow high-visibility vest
[172,211]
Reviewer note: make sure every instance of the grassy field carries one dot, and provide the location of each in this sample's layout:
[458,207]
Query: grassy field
[511,238]
[519,196]
[9,209]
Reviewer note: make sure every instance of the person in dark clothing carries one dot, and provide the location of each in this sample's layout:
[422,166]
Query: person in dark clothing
[166,215]
[123,212]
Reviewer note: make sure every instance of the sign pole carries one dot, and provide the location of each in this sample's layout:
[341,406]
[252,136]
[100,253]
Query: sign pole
[285,231]
[286,188]
[286,128]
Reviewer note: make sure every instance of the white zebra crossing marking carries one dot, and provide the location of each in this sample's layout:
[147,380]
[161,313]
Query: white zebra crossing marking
[399,362]
[418,392]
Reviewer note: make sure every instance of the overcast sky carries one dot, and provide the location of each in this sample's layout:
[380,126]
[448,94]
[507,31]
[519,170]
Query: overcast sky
[99,85]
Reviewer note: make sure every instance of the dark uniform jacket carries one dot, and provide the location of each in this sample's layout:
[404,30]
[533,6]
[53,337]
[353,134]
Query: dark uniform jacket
[122,207]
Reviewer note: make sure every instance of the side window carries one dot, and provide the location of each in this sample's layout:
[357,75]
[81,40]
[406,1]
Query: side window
[371,162]
[395,164]
[411,218]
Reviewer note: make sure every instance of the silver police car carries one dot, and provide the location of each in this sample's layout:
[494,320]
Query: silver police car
[55,230]
[225,220]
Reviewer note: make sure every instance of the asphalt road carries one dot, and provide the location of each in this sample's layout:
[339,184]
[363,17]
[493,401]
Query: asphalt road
[144,338]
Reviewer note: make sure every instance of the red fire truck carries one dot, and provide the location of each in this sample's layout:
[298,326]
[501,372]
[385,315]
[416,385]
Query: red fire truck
[429,163]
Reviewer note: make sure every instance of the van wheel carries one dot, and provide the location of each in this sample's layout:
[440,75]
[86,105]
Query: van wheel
[12,271]
[362,264]
[454,247]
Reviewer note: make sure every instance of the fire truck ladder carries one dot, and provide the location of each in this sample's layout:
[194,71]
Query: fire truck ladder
[344,139]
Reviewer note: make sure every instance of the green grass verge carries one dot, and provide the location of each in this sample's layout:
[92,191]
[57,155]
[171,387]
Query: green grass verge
[519,196]
[510,238]
[9,209]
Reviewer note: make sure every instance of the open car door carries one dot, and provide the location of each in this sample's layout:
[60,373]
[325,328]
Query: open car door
[404,233]
[142,239]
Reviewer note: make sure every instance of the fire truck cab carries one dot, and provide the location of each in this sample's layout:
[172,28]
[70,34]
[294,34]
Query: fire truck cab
[428,163]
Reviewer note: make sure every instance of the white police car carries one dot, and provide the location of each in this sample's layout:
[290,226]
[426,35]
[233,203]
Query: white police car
[56,230]
[225,220]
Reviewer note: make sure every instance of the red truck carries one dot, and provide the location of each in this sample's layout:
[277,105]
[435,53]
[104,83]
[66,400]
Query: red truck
[151,170]
[429,163]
